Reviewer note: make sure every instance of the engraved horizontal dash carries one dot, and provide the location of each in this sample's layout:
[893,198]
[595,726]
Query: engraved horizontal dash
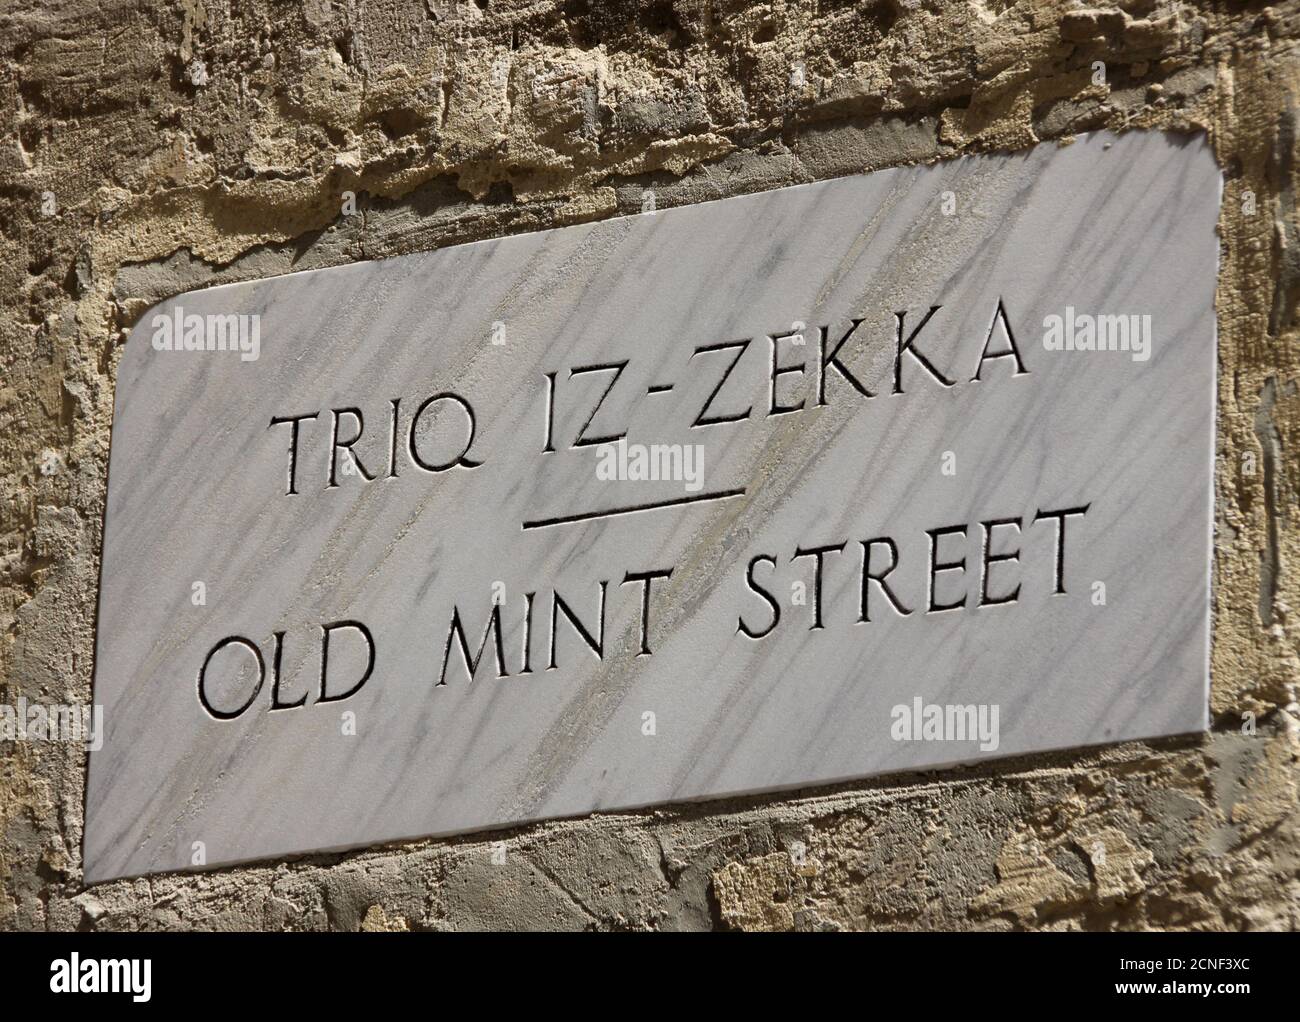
[586,516]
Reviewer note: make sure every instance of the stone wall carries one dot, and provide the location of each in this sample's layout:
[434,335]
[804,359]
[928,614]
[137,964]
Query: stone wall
[150,148]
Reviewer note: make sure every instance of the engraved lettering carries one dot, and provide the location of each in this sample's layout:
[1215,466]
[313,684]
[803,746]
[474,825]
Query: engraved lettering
[936,568]
[773,406]
[596,642]
[831,360]
[817,553]
[868,577]
[646,578]
[989,558]
[231,640]
[583,440]
[461,460]
[906,346]
[767,596]
[326,632]
[1012,350]
[1060,517]
[457,631]
[337,445]
[739,347]
[293,420]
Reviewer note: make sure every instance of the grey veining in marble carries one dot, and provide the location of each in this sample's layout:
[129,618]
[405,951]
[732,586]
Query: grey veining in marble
[204,545]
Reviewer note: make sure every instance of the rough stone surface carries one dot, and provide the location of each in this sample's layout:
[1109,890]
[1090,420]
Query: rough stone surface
[151,148]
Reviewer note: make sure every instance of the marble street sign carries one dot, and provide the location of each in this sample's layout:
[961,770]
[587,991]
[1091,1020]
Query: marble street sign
[900,470]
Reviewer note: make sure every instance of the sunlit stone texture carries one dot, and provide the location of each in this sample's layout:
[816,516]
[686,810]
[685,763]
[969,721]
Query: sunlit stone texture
[944,484]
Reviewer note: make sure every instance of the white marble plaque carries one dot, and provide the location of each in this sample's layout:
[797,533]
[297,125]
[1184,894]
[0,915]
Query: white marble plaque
[900,470]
